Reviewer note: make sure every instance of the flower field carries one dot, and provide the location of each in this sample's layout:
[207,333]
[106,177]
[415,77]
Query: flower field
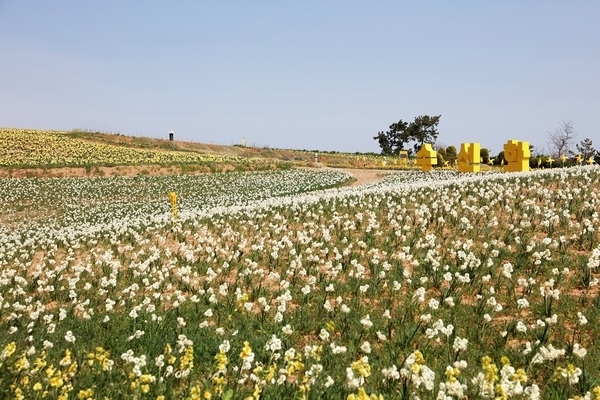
[28,149]
[283,285]
[41,148]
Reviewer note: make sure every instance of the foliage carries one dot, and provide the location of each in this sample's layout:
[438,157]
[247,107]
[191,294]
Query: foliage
[561,140]
[440,160]
[485,155]
[422,130]
[451,154]
[586,149]
[392,141]
[500,160]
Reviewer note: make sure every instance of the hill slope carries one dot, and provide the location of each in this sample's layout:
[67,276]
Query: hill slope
[60,153]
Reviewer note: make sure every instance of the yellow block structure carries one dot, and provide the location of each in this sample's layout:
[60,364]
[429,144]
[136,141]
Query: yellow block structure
[469,159]
[517,155]
[426,157]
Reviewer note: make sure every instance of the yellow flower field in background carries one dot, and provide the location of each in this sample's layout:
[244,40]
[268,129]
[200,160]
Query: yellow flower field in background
[39,148]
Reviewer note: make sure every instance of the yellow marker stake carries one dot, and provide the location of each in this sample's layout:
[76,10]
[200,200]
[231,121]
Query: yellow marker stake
[173,199]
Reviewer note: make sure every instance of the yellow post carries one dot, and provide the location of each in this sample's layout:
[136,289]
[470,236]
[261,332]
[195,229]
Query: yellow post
[426,157]
[469,159]
[517,155]
[173,199]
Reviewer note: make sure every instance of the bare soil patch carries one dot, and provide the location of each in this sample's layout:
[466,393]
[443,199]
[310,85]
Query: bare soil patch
[364,176]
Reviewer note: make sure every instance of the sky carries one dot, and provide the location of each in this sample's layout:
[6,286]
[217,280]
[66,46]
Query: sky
[317,75]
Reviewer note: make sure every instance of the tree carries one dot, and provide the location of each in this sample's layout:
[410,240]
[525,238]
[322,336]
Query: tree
[384,143]
[422,130]
[451,154]
[561,140]
[499,160]
[586,149]
[394,139]
[485,155]
[440,160]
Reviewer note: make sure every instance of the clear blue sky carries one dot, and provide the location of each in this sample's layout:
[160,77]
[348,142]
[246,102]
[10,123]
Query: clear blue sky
[324,75]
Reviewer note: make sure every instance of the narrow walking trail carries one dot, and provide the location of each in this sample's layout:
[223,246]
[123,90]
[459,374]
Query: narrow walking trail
[364,176]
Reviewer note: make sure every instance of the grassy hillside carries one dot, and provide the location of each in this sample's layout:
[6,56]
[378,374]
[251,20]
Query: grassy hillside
[33,149]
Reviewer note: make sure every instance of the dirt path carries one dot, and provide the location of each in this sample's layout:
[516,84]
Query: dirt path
[364,176]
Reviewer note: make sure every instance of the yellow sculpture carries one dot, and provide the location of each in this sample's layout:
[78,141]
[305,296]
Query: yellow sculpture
[591,160]
[578,159]
[563,158]
[426,157]
[469,159]
[517,156]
